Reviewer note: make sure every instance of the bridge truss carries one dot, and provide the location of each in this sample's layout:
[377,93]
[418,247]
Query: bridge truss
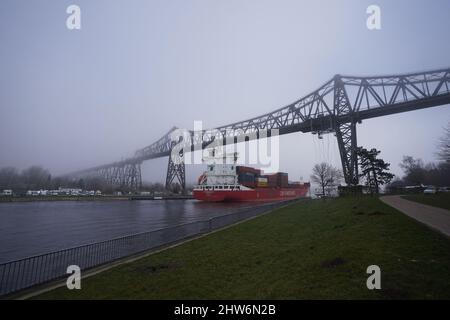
[337,106]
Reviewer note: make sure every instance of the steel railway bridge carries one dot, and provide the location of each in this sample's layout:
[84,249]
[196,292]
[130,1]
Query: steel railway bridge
[336,107]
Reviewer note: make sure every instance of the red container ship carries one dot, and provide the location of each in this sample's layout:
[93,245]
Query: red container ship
[229,182]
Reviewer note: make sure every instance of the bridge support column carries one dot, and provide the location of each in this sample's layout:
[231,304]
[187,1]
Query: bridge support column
[176,172]
[131,176]
[345,133]
[346,137]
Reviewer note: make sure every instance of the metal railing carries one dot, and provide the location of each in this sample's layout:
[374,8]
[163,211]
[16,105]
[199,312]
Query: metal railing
[39,269]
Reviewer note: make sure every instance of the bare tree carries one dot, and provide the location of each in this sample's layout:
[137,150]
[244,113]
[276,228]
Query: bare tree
[444,145]
[414,170]
[417,172]
[36,177]
[326,176]
[9,178]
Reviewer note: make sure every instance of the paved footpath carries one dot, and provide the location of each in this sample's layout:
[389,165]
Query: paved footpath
[436,218]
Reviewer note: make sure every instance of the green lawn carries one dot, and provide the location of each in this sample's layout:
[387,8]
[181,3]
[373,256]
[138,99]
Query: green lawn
[441,200]
[317,249]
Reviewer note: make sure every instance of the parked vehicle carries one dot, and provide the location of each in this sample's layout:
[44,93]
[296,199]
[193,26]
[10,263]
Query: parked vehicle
[7,192]
[430,190]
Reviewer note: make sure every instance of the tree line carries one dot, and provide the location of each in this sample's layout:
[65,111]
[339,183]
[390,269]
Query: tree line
[374,171]
[37,178]
[417,172]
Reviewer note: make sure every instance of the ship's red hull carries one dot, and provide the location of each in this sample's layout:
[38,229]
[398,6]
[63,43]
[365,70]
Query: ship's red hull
[257,194]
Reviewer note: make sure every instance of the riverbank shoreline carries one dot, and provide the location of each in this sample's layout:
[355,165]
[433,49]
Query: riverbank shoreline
[90,198]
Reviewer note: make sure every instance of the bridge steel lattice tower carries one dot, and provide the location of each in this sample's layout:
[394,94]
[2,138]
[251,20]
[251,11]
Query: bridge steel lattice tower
[345,134]
[176,173]
[123,175]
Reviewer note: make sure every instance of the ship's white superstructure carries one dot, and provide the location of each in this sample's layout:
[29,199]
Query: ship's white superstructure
[220,169]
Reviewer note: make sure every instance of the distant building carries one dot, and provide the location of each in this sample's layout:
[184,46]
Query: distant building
[330,191]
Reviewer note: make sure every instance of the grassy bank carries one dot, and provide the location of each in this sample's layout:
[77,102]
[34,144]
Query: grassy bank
[315,249]
[441,200]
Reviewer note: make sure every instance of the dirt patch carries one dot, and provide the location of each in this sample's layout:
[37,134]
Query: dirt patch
[333,263]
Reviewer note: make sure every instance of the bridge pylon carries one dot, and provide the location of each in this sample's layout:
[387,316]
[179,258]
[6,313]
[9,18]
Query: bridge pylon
[131,176]
[176,171]
[346,137]
[345,133]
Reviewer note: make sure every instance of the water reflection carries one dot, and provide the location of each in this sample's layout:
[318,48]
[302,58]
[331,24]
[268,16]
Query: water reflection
[32,228]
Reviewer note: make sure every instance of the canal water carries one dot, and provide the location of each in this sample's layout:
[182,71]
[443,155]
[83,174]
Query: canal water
[32,228]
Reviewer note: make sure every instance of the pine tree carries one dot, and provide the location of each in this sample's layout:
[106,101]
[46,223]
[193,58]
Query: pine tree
[373,169]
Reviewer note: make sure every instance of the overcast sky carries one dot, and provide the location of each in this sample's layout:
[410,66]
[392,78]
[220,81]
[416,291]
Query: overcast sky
[75,99]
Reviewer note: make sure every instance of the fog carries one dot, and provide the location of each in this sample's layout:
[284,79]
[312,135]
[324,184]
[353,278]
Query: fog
[72,99]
